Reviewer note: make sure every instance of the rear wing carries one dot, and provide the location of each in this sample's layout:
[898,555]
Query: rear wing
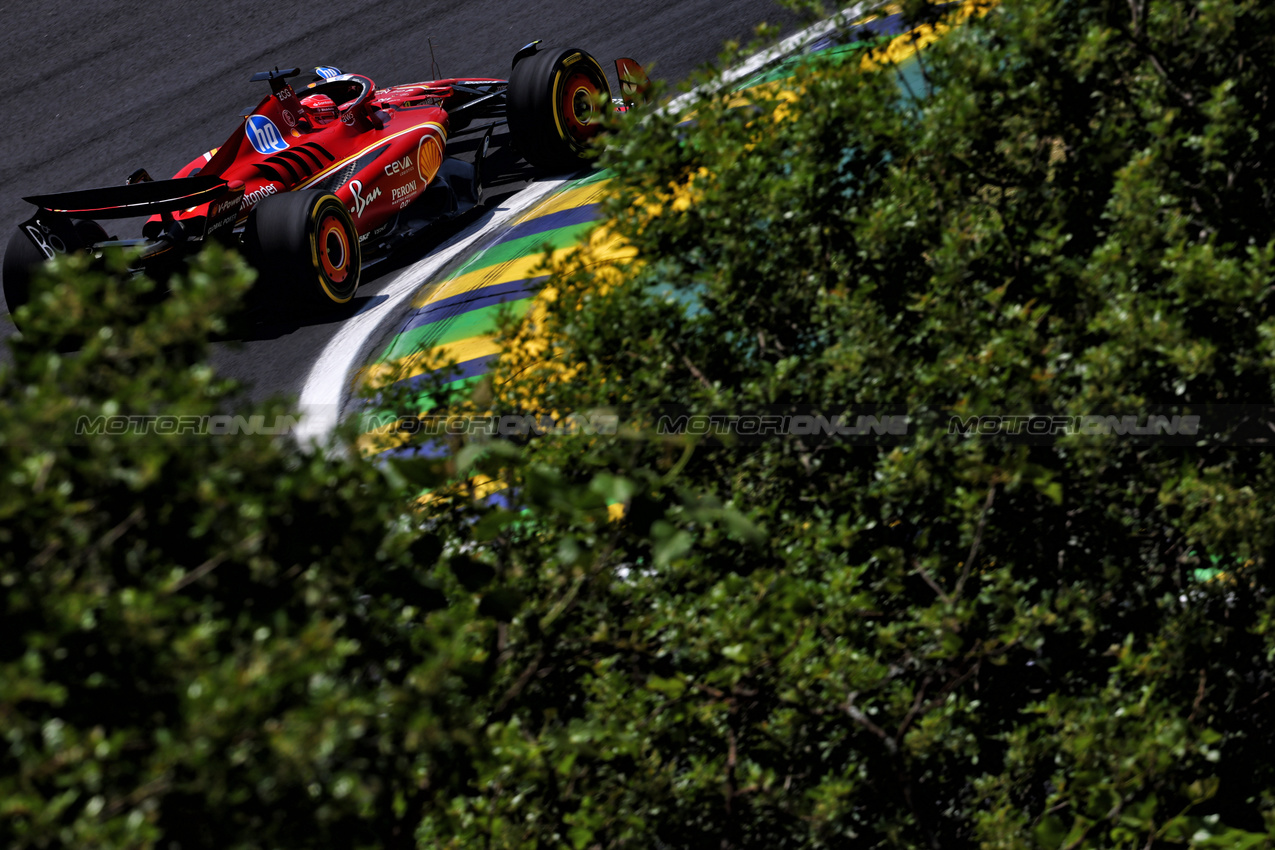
[138,199]
[52,229]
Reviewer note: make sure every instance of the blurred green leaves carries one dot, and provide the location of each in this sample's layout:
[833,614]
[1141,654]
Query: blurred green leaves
[1063,208]
[208,640]
[643,639]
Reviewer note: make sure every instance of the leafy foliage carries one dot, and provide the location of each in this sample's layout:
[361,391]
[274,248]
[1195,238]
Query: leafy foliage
[959,640]
[212,640]
[656,640]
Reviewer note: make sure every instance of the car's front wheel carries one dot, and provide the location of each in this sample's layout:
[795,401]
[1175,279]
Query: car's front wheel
[305,247]
[557,103]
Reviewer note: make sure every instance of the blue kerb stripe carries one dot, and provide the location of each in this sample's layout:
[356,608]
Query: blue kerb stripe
[432,449]
[475,299]
[889,25]
[465,369]
[553,221]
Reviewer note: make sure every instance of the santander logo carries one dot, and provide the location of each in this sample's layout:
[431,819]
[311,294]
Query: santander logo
[252,198]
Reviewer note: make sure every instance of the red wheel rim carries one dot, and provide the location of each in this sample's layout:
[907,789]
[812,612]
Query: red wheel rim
[579,105]
[333,245]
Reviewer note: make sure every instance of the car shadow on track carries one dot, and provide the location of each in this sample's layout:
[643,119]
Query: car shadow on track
[261,323]
[268,320]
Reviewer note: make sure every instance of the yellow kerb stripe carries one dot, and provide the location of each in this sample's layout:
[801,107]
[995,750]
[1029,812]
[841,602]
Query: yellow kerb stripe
[570,199]
[603,246]
[906,45]
[483,486]
[420,362]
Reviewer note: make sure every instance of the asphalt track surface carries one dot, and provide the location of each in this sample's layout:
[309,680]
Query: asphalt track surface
[99,88]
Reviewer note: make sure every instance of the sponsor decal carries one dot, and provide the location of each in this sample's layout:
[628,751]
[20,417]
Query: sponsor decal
[378,232]
[223,214]
[289,118]
[347,117]
[252,198]
[402,191]
[228,204]
[46,240]
[361,201]
[264,135]
[327,73]
[404,164]
[429,156]
[285,93]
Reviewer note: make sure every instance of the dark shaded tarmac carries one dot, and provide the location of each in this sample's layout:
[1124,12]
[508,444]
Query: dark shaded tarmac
[98,89]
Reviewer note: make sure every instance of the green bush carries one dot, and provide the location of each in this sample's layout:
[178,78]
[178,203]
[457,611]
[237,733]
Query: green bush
[940,641]
[205,641]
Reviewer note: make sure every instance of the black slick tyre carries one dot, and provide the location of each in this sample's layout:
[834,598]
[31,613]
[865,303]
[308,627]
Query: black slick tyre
[305,248]
[21,259]
[556,103]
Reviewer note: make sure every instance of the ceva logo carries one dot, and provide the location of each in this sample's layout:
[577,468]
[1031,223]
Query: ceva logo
[264,135]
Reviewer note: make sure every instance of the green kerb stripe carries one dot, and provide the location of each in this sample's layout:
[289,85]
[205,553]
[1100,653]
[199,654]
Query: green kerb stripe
[563,237]
[596,177]
[839,55]
[425,402]
[474,323]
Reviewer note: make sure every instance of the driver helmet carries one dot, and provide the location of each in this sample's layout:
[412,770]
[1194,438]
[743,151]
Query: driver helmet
[320,108]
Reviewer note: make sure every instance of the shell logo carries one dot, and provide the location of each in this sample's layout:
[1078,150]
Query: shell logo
[429,156]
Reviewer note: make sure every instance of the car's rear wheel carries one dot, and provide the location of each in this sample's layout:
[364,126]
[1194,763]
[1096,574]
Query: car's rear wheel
[557,102]
[305,248]
[22,258]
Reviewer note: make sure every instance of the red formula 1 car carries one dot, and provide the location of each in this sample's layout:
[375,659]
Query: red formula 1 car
[319,179]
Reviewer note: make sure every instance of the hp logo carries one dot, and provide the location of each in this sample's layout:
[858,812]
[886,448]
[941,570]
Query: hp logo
[264,135]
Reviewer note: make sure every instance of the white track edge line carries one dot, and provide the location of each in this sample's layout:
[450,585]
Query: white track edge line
[327,388]
[329,384]
[772,55]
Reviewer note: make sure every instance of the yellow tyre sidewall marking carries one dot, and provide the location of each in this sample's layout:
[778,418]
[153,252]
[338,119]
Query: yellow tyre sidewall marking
[317,265]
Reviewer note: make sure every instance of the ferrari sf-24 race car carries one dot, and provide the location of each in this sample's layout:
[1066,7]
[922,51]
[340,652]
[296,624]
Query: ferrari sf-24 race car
[317,180]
